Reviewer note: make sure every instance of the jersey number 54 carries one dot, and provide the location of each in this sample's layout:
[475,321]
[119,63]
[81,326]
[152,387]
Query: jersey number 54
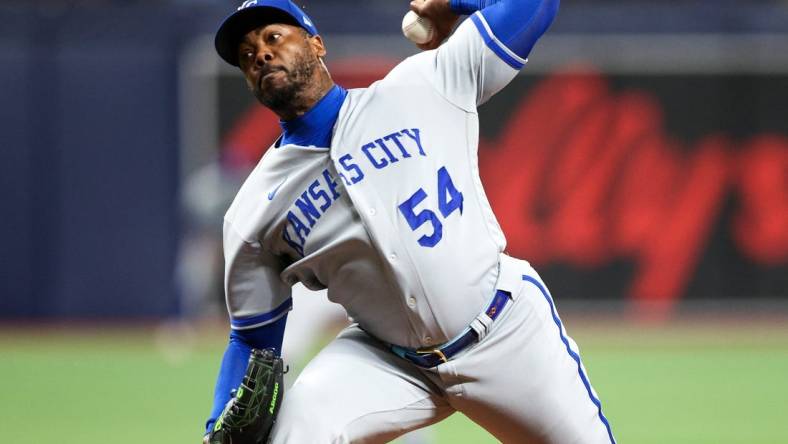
[449,201]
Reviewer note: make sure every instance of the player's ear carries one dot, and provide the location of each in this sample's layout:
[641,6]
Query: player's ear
[316,43]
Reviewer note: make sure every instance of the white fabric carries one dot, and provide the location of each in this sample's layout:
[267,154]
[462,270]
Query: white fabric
[481,325]
[519,383]
[356,242]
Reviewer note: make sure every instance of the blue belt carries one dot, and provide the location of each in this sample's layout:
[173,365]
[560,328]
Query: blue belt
[431,357]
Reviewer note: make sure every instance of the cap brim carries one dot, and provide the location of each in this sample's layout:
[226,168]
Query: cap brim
[238,24]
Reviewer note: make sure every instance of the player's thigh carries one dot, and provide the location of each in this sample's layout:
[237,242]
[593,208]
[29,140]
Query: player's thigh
[356,391]
[525,383]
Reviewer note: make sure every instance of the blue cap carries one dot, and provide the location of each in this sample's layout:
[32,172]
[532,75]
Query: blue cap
[253,14]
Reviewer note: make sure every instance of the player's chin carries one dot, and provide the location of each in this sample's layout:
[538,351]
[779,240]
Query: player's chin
[271,88]
[274,80]
[276,96]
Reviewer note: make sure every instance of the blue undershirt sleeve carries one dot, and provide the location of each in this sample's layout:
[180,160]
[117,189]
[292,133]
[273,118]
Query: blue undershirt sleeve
[468,7]
[236,358]
[518,24]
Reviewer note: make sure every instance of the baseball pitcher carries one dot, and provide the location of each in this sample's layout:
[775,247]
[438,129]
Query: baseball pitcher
[374,194]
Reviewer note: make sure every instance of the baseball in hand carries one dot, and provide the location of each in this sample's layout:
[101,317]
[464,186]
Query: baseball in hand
[417,29]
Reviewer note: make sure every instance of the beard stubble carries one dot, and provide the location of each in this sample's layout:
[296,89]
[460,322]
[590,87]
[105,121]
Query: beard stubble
[286,96]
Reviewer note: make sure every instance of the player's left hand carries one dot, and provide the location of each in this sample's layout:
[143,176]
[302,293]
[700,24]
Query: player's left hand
[441,16]
[251,412]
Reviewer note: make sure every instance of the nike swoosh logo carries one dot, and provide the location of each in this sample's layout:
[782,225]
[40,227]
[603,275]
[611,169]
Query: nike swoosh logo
[272,194]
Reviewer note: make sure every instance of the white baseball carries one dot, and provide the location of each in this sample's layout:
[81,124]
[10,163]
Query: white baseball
[417,29]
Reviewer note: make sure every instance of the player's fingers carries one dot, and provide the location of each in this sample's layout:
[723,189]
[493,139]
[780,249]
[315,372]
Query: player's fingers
[441,32]
[432,44]
[417,7]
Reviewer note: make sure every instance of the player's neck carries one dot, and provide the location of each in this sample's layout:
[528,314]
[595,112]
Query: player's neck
[307,98]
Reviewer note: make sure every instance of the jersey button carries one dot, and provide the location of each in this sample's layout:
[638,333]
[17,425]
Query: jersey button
[393,256]
[428,340]
[411,302]
[372,211]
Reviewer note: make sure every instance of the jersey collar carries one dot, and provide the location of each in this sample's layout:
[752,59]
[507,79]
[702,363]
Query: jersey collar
[314,128]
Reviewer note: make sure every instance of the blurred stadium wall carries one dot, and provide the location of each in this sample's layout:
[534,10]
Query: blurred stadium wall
[641,157]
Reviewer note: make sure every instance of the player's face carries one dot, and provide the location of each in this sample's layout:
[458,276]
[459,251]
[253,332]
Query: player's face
[279,61]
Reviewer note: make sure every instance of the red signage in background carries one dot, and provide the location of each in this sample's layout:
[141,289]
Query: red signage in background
[760,175]
[583,175]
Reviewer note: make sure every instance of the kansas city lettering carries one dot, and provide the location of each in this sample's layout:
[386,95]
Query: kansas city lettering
[380,154]
[308,209]
[321,193]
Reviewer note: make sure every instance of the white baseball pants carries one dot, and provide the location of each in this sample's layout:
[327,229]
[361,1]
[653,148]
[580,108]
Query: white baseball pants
[523,382]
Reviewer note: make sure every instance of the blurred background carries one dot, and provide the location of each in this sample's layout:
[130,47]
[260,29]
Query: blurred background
[640,162]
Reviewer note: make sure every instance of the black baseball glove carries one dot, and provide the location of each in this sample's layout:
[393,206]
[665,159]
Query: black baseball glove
[250,414]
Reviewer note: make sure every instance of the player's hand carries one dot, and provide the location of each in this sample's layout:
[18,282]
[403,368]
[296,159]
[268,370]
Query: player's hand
[441,16]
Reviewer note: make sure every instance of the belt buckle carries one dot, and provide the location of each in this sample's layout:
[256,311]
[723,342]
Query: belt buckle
[435,351]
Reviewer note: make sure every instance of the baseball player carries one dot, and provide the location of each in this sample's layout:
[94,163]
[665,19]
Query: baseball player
[375,195]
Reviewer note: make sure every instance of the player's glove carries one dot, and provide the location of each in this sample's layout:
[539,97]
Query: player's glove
[250,414]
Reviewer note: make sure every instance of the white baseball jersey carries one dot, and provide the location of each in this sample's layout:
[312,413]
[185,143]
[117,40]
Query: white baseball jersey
[392,217]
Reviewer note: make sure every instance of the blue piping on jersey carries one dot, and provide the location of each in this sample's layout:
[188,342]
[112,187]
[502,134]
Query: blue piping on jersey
[510,28]
[316,126]
[495,45]
[573,354]
[257,320]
